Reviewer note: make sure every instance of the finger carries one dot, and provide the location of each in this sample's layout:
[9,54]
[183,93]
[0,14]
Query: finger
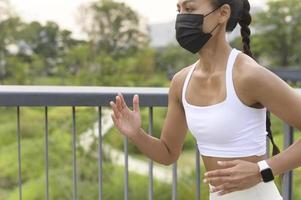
[118,103]
[136,103]
[226,164]
[223,187]
[220,180]
[218,173]
[123,103]
[114,120]
[115,110]
[227,191]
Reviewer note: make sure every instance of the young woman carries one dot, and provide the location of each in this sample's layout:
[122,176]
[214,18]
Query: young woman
[222,99]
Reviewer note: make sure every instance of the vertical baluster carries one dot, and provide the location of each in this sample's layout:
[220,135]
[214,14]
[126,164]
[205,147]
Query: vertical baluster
[46,155]
[150,162]
[198,172]
[126,170]
[74,153]
[100,158]
[288,176]
[174,181]
[19,153]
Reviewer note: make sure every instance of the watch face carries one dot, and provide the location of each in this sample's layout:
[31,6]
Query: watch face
[267,175]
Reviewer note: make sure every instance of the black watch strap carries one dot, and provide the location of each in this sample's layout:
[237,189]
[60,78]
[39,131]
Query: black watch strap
[265,171]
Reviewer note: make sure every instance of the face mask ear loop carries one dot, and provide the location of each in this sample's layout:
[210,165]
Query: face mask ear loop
[211,11]
[214,28]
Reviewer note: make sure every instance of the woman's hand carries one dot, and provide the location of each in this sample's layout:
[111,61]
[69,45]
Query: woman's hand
[236,175]
[127,121]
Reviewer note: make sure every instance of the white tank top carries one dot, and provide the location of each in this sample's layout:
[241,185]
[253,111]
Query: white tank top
[229,128]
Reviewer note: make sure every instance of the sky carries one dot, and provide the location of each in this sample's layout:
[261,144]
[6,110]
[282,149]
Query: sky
[64,12]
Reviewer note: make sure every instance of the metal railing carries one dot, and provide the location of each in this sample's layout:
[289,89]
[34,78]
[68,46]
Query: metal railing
[46,96]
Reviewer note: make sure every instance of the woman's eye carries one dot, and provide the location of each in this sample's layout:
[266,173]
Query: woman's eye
[188,9]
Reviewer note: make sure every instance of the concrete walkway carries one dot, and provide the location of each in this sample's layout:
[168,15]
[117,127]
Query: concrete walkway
[87,138]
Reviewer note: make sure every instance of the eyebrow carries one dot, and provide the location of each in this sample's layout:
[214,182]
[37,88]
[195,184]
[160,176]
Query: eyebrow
[185,2]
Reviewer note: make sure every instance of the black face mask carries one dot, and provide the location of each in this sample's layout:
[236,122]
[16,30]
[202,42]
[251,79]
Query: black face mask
[189,31]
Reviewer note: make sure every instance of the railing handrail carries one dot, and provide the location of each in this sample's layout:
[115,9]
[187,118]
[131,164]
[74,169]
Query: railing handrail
[13,95]
[288,74]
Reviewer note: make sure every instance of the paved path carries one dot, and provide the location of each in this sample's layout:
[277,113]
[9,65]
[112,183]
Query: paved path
[160,173]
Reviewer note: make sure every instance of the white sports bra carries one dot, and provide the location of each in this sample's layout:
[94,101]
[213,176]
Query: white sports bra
[229,128]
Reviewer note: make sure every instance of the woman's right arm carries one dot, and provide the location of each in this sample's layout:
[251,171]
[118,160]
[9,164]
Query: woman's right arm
[165,150]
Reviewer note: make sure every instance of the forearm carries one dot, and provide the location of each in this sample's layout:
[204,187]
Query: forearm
[287,160]
[152,147]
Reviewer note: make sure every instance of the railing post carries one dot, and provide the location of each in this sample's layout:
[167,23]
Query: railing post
[288,176]
[126,169]
[46,155]
[74,153]
[198,173]
[19,153]
[100,157]
[150,162]
[174,181]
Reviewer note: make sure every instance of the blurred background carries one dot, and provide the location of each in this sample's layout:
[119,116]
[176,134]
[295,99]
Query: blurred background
[111,43]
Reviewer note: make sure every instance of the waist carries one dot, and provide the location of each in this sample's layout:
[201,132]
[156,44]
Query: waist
[211,162]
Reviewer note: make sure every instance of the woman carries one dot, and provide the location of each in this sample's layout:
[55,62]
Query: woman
[222,99]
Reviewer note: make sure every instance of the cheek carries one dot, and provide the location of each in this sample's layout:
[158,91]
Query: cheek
[208,25]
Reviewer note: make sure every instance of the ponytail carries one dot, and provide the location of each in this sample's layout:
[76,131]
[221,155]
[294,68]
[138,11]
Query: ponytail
[245,31]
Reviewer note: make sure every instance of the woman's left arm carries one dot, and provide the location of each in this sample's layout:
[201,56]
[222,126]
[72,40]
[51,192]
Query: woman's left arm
[283,101]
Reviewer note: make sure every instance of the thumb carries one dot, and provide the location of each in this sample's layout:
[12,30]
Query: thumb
[136,103]
[226,164]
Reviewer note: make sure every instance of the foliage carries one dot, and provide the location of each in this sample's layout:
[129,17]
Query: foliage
[277,30]
[113,27]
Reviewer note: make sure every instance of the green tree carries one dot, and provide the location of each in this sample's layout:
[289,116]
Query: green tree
[172,58]
[8,29]
[112,27]
[49,42]
[278,32]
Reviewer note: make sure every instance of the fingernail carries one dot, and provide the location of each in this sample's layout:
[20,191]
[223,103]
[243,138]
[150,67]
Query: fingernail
[205,180]
[219,162]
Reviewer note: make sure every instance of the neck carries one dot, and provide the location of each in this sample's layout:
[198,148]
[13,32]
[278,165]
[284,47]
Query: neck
[213,55]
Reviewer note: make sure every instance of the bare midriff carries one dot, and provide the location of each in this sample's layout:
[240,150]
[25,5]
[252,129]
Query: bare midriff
[211,162]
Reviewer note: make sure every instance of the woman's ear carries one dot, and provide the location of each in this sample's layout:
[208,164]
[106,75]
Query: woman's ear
[225,13]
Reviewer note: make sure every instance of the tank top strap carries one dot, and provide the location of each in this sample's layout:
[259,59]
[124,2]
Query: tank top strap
[188,76]
[229,74]
[229,80]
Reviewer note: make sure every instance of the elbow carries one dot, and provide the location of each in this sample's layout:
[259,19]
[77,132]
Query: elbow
[170,161]
[170,157]
[166,163]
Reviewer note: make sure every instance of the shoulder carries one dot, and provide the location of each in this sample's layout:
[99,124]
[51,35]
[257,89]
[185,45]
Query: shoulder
[248,69]
[177,82]
[252,78]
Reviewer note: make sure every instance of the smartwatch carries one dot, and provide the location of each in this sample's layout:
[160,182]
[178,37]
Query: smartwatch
[265,171]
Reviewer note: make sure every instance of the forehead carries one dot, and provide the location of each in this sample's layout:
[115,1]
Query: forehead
[183,2]
[186,1]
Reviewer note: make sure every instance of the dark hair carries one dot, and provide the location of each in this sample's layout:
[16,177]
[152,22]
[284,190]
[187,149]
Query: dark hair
[240,14]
